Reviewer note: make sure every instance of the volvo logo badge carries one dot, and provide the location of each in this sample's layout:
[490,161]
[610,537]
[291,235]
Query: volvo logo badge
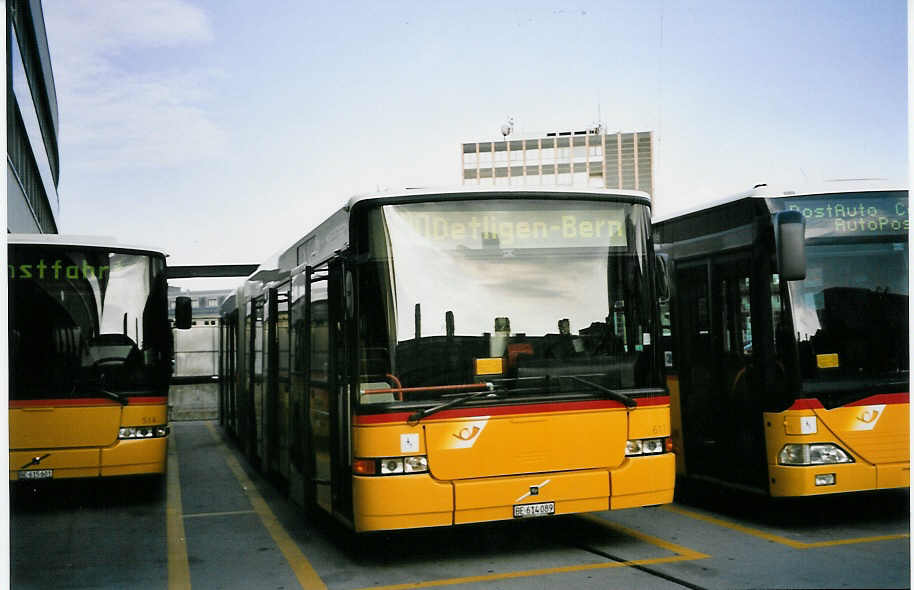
[534,491]
[36,460]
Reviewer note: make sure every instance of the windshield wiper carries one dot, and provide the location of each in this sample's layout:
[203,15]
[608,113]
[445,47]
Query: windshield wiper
[626,400]
[110,394]
[420,414]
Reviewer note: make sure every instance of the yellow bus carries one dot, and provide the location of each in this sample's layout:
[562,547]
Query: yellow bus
[438,357]
[786,341]
[90,353]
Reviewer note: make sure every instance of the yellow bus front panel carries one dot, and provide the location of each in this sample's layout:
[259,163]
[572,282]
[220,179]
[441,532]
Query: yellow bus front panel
[513,444]
[801,481]
[872,432]
[80,438]
[643,481]
[126,457]
[135,457]
[482,463]
[48,425]
[676,432]
[401,502]
[137,414]
[485,499]
[64,463]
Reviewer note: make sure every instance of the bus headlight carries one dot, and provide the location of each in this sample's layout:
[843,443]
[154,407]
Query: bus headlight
[417,464]
[813,454]
[391,465]
[646,446]
[138,432]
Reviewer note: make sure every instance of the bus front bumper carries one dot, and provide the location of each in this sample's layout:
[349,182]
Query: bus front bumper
[125,457]
[412,501]
[788,480]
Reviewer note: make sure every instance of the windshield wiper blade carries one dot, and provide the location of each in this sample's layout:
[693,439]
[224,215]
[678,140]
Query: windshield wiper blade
[420,414]
[115,396]
[626,400]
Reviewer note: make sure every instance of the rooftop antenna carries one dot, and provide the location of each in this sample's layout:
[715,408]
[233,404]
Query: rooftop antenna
[599,113]
[507,127]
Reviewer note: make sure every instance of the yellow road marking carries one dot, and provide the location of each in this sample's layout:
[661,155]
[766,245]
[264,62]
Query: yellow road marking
[778,538]
[300,565]
[672,547]
[530,573]
[683,554]
[205,514]
[178,568]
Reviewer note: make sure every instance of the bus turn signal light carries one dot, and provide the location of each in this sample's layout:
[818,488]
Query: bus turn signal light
[364,466]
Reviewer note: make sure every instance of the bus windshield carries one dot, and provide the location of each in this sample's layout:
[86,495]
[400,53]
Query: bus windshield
[87,322]
[532,295]
[851,318]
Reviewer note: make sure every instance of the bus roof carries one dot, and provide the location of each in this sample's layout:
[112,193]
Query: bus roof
[763,191]
[78,241]
[332,234]
[422,193]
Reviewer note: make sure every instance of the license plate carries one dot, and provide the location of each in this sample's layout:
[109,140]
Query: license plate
[528,510]
[36,474]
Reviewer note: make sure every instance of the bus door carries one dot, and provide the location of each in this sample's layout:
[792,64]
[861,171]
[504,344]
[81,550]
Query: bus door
[248,407]
[232,373]
[341,312]
[317,405]
[283,442]
[276,408]
[737,410]
[257,377]
[267,420]
[717,375]
[270,385]
[696,365]
[300,468]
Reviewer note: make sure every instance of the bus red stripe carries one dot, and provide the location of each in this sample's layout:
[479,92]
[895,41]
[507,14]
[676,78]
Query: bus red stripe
[84,401]
[510,410]
[882,398]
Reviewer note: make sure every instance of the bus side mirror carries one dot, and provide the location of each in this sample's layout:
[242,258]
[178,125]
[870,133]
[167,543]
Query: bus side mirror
[183,313]
[663,277]
[790,243]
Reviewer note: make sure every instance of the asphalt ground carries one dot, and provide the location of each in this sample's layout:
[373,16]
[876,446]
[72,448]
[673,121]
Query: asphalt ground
[212,522]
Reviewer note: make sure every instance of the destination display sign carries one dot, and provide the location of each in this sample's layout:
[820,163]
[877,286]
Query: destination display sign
[844,214]
[512,228]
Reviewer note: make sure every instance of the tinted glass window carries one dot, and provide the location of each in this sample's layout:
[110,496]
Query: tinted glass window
[86,321]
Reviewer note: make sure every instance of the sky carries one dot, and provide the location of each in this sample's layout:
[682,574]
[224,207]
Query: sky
[222,130]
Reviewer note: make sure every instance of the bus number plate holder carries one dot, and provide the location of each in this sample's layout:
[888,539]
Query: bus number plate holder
[531,510]
[36,474]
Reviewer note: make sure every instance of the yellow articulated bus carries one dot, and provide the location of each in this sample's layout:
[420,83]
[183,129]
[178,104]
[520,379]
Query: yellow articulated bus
[431,358]
[786,341]
[89,358]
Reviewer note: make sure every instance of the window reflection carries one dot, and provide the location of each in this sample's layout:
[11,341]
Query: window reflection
[86,319]
[850,314]
[548,286]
